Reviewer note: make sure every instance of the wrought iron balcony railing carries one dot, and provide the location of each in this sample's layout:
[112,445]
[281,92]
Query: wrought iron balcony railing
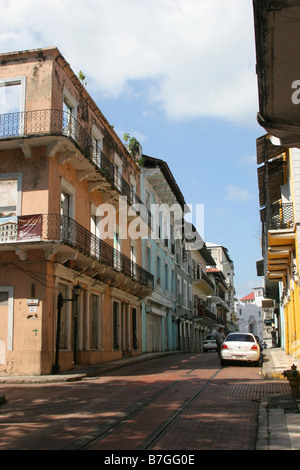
[199,274]
[202,311]
[63,229]
[61,123]
[282,216]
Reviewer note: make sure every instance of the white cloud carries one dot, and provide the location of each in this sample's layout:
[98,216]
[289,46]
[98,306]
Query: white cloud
[237,194]
[247,160]
[198,54]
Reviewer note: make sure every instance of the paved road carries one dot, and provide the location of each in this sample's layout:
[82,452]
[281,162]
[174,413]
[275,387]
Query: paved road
[182,402]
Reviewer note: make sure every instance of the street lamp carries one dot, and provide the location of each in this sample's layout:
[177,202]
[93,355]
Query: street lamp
[60,303]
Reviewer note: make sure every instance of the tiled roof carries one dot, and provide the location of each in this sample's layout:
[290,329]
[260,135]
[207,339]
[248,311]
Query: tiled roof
[249,297]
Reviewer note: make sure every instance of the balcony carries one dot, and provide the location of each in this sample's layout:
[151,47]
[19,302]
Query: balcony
[30,126]
[282,216]
[201,313]
[202,283]
[281,240]
[59,232]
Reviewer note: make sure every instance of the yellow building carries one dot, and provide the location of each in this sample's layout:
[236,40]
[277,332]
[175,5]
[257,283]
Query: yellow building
[279,190]
[277,35]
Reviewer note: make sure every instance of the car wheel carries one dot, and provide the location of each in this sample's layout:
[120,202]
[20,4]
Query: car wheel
[223,363]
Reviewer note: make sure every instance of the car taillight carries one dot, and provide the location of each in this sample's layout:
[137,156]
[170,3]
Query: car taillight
[254,347]
[224,346]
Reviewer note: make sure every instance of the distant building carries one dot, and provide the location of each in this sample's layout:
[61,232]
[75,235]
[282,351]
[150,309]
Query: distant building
[223,272]
[250,314]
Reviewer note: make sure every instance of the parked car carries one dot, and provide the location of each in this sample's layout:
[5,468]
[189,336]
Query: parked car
[240,347]
[209,344]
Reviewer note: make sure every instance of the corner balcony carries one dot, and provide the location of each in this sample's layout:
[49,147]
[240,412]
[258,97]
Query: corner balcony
[62,237]
[60,132]
[281,239]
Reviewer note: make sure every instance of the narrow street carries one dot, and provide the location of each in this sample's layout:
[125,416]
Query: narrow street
[185,402]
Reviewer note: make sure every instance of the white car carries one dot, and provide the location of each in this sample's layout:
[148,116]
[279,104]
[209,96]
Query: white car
[240,347]
[209,344]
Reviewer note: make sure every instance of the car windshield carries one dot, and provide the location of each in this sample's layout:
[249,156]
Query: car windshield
[240,337]
[211,337]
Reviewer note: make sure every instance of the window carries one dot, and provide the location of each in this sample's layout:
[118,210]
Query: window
[64,320]
[158,270]
[190,297]
[166,276]
[10,199]
[95,322]
[148,201]
[10,205]
[69,114]
[12,103]
[179,292]
[116,325]
[117,251]
[67,211]
[240,337]
[67,199]
[185,293]
[118,172]
[149,267]
[173,281]
[134,329]
[97,139]
[95,230]
[133,259]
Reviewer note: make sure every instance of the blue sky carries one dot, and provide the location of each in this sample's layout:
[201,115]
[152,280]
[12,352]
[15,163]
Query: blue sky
[179,75]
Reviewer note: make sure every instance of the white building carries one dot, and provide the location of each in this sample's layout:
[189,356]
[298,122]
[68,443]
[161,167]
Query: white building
[250,314]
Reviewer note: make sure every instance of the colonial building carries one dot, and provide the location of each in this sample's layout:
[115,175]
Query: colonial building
[163,320]
[205,319]
[279,186]
[277,33]
[71,281]
[225,291]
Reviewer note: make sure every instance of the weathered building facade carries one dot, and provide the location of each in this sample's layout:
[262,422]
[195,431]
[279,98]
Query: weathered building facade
[279,186]
[225,291]
[63,170]
[277,34]
[161,195]
[204,319]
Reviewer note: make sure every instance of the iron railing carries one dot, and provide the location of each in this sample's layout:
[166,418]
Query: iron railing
[61,123]
[199,274]
[63,229]
[200,311]
[282,216]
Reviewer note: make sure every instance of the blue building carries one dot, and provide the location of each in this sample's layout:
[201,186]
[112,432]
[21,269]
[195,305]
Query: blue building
[160,193]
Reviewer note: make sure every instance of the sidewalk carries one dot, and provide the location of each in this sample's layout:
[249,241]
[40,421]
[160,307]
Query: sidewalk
[279,415]
[80,372]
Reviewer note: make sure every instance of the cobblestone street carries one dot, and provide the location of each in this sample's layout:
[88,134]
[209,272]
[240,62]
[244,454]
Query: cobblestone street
[184,402]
